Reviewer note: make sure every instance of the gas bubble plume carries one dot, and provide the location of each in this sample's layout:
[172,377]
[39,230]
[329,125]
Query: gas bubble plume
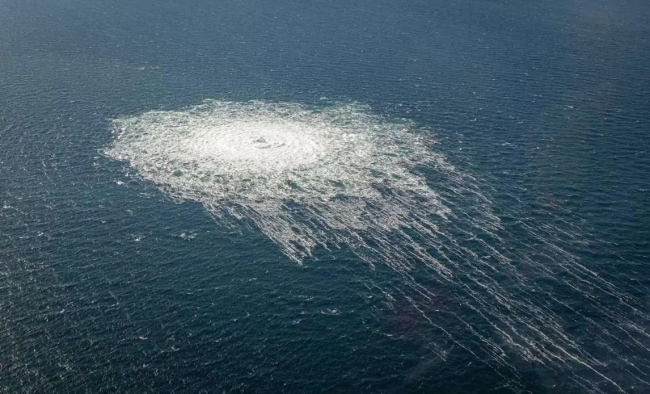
[339,176]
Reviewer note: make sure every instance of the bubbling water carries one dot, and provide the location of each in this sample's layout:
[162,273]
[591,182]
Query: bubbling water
[249,160]
[246,151]
[340,176]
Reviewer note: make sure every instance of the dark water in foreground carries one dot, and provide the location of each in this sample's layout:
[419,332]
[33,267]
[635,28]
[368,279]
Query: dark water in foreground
[109,284]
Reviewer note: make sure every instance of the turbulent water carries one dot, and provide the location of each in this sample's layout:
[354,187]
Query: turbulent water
[340,176]
[344,170]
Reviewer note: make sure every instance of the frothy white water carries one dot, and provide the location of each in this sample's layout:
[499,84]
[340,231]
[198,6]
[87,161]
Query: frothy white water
[346,167]
[340,176]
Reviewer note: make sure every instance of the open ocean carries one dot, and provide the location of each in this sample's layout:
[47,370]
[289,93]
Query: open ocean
[248,196]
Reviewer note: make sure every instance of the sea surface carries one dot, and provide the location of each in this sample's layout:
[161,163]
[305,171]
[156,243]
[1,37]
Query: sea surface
[324,196]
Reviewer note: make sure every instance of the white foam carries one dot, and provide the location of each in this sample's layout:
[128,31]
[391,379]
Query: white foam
[341,176]
[250,159]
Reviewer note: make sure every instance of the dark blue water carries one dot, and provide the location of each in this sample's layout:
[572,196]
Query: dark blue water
[107,284]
